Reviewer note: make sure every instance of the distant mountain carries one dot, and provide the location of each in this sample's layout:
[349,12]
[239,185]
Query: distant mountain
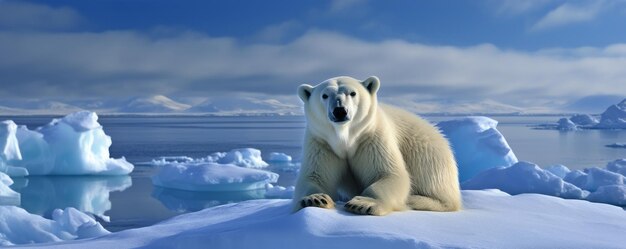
[485,106]
[593,104]
[153,104]
[245,106]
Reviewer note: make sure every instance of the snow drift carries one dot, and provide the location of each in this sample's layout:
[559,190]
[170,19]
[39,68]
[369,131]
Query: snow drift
[531,221]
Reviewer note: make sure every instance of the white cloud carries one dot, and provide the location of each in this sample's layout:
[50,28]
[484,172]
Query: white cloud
[569,13]
[516,7]
[19,15]
[125,62]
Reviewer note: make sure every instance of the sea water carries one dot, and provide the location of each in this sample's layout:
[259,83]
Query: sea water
[125,202]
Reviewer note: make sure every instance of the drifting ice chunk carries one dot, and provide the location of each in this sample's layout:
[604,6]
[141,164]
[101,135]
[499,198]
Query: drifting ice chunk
[524,177]
[212,177]
[7,195]
[164,160]
[477,145]
[616,145]
[279,157]
[73,145]
[246,157]
[617,166]
[565,124]
[614,117]
[558,170]
[611,194]
[583,119]
[279,191]
[19,227]
[593,178]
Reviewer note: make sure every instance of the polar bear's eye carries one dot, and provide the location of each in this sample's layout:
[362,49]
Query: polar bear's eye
[353,94]
[324,96]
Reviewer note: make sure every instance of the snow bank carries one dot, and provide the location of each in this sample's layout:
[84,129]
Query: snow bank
[614,117]
[73,145]
[212,177]
[20,227]
[477,145]
[7,195]
[532,221]
[524,177]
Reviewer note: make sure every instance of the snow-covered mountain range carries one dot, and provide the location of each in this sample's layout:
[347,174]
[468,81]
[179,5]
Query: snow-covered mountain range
[248,106]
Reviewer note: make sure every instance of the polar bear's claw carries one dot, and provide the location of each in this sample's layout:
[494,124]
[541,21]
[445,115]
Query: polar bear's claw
[317,200]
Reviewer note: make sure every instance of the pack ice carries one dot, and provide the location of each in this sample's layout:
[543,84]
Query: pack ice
[73,145]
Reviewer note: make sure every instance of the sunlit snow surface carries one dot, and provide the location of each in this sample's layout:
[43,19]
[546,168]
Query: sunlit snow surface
[73,145]
[20,227]
[477,145]
[490,219]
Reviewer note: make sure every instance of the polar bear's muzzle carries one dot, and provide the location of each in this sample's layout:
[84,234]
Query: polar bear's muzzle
[339,114]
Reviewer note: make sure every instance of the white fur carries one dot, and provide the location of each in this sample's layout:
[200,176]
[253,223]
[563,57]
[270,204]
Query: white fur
[383,159]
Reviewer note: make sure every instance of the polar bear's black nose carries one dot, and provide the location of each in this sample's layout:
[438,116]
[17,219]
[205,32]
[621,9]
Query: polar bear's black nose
[340,113]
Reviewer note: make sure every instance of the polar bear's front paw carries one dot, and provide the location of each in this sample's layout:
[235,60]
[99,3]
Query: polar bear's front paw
[365,205]
[317,200]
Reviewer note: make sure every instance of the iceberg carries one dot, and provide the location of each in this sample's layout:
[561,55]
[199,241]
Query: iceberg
[565,124]
[593,178]
[524,177]
[477,145]
[279,157]
[614,117]
[279,192]
[73,145]
[532,221]
[558,170]
[212,177]
[610,194]
[20,227]
[7,195]
[616,145]
[583,120]
[617,166]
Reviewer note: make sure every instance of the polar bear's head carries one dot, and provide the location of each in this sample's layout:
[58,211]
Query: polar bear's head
[340,101]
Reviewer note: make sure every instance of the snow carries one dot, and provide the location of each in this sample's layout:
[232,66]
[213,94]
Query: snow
[565,124]
[477,145]
[20,227]
[212,177]
[73,145]
[524,177]
[614,117]
[7,195]
[610,194]
[153,104]
[490,219]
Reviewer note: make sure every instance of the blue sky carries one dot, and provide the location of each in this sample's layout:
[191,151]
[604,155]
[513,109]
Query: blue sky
[522,52]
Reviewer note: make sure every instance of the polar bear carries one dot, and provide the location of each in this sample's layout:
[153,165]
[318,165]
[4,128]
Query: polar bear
[376,157]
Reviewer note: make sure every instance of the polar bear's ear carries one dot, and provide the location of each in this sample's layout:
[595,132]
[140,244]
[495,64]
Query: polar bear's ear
[304,91]
[371,84]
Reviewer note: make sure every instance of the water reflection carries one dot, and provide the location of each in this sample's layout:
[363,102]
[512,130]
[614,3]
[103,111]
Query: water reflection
[190,201]
[90,194]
